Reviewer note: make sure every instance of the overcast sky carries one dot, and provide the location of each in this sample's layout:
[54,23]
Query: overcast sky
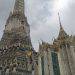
[42,17]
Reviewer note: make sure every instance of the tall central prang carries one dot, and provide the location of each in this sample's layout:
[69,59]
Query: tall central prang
[16,51]
[17,29]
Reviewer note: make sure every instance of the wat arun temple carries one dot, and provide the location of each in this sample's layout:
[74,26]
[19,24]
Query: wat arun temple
[18,57]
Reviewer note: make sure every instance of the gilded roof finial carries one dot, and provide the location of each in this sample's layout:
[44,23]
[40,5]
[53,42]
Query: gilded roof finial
[61,28]
[59,19]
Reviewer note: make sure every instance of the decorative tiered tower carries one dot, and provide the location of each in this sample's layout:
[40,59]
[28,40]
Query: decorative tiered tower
[17,29]
[16,51]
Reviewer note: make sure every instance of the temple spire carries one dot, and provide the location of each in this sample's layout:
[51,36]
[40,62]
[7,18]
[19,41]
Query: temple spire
[62,33]
[61,28]
[59,19]
[19,6]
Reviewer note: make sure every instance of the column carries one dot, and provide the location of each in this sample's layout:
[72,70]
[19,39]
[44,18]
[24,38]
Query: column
[50,63]
[64,62]
[39,65]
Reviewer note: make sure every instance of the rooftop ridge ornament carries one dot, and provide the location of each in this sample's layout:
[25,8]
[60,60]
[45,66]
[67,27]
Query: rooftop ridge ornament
[19,6]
